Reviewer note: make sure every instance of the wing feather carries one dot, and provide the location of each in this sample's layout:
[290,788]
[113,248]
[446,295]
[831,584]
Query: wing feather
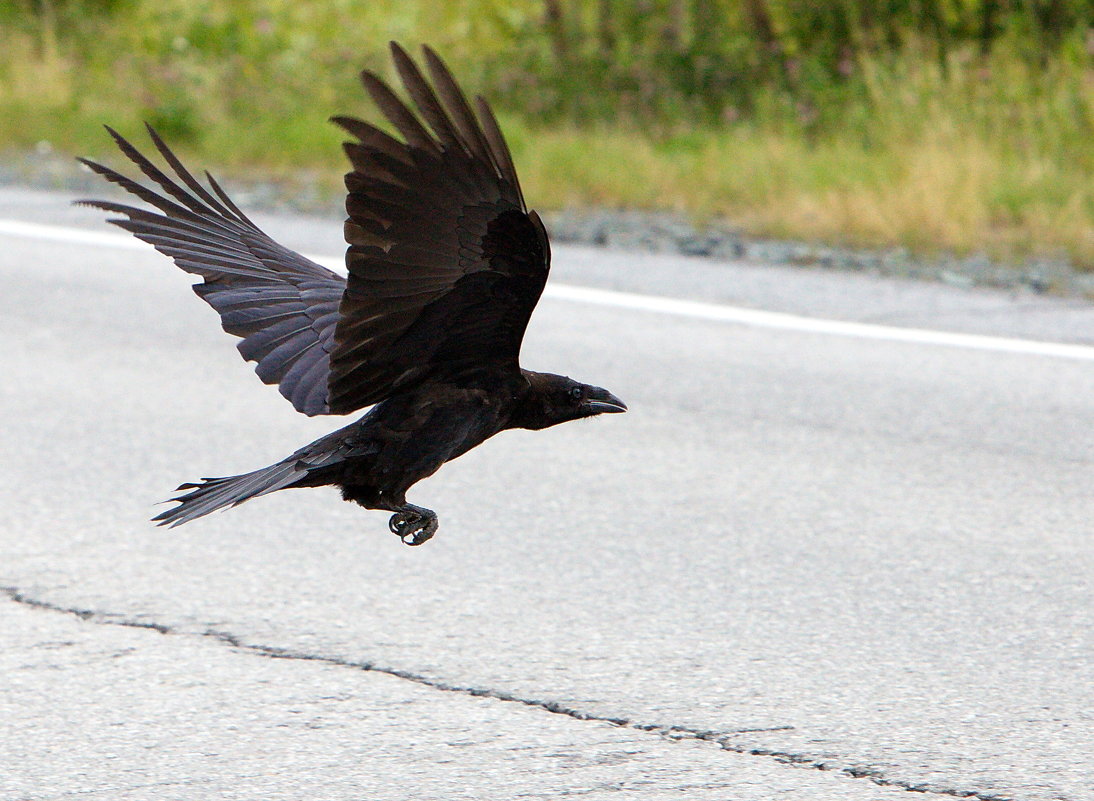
[462,115]
[284,306]
[445,262]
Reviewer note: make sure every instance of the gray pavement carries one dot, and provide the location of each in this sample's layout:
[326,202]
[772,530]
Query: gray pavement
[803,566]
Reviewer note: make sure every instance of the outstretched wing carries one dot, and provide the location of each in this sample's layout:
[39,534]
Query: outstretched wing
[445,262]
[284,306]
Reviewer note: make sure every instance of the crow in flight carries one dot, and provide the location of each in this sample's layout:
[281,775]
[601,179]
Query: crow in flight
[445,266]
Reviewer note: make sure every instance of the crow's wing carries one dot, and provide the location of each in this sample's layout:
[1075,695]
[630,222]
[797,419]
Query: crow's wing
[445,262]
[283,305]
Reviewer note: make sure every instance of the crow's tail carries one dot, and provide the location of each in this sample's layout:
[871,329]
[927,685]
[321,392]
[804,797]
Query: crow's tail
[216,493]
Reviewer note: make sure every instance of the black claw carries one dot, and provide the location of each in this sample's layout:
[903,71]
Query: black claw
[413,526]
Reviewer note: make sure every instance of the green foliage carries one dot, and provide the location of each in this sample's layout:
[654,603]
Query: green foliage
[660,60]
[962,123]
[58,9]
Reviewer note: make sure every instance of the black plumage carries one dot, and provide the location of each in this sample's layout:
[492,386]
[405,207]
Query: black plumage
[446,264]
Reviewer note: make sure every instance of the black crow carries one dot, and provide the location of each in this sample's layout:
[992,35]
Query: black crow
[445,266]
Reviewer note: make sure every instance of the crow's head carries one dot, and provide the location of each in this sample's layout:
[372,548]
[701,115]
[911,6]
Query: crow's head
[553,399]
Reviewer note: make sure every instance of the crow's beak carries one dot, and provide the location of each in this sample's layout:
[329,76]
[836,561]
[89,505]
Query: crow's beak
[600,401]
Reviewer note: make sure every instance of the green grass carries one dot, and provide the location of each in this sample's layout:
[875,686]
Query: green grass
[961,152]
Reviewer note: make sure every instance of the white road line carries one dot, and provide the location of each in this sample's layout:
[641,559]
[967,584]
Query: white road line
[655,304]
[72,236]
[816,325]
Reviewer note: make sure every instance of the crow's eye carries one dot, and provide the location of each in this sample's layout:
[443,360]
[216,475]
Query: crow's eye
[576,393]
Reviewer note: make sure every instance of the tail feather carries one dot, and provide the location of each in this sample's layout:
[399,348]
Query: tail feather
[313,465]
[216,493]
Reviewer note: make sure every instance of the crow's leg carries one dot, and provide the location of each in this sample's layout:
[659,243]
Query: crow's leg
[413,524]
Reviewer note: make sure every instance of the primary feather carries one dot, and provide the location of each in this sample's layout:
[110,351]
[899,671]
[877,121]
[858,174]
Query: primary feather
[284,306]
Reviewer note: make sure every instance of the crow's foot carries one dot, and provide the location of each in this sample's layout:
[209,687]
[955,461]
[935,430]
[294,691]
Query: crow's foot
[413,524]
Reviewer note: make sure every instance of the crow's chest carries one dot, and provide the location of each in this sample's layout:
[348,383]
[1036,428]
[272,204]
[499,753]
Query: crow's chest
[408,445]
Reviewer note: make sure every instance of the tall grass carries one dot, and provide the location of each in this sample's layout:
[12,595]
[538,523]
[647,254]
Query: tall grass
[959,125]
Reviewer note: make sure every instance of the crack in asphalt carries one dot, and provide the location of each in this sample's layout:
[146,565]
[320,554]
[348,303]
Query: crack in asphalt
[723,739]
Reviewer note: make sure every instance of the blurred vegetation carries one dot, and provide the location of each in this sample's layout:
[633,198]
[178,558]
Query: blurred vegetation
[961,125]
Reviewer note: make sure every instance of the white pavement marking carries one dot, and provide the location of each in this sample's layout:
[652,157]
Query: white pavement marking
[655,304]
[72,236]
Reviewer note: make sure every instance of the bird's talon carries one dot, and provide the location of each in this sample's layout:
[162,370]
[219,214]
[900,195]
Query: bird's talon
[412,527]
[418,537]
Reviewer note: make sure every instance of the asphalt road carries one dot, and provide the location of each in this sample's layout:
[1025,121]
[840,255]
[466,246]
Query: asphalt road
[804,565]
